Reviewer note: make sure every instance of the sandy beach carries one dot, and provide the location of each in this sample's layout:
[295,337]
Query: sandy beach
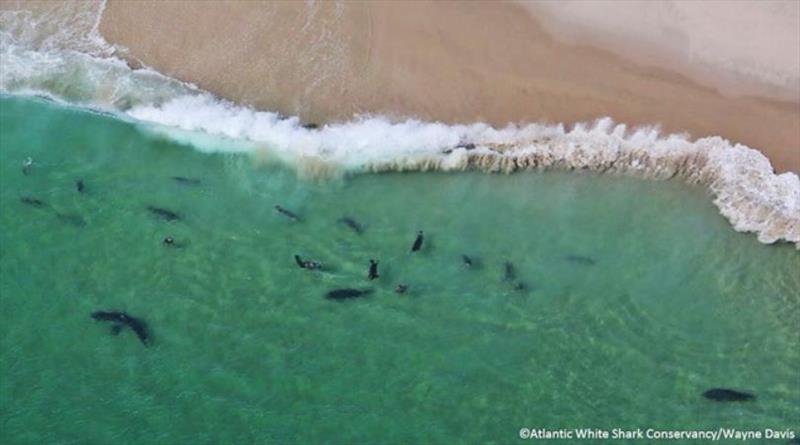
[442,61]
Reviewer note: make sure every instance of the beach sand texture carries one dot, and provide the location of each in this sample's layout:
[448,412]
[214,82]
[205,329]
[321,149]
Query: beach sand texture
[443,61]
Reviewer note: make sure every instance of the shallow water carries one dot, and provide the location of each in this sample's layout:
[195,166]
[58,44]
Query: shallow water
[664,301]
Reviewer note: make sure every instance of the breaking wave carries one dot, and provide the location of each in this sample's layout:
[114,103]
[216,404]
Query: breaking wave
[57,52]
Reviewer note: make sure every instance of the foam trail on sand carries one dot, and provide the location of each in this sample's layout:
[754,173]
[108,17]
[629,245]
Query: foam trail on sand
[57,52]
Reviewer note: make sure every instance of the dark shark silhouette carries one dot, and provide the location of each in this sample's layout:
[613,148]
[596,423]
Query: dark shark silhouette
[728,395]
[352,223]
[33,202]
[577,259]
[186,181]
[347,294]
[121,319]
[165,214]
[287,213]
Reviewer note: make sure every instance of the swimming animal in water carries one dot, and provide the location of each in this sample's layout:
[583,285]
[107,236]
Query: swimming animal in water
[351,223]
[508,271]
[122,319]
[167,215]
[466,260]
[347,293]
[418,241]
[307,264]
[186,181]
[287,213]
[169,241]
[510,274]
[33,202]
[401,288]
[79,185]
[728,395]
[586,261]
[373,270]
[27,165]
[75,220]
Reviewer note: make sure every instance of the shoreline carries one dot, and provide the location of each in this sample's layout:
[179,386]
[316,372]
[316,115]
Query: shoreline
[434,61]
[738,179]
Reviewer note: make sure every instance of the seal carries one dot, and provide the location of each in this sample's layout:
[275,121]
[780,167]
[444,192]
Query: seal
[169,241]
[307,264]
[466,260]
[27,165]
[373,270]
[508,271]
[418,241]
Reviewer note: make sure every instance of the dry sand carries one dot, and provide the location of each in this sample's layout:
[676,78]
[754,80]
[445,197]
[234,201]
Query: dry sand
[741,47]
[445,61]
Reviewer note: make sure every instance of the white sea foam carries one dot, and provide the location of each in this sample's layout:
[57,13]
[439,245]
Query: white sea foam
[85,73]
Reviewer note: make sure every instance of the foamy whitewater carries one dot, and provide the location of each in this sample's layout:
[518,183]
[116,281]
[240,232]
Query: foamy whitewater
[57,52]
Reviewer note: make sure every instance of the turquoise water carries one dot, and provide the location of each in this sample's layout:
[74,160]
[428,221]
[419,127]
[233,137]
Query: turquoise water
[246,349]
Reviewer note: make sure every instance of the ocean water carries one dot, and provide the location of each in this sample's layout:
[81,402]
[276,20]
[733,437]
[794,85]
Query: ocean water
[638,297]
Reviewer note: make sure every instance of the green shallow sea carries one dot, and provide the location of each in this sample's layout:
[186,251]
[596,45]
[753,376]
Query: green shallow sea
[639,296]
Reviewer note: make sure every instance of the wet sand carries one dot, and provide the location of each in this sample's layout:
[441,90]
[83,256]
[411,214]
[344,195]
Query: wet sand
[444,61]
